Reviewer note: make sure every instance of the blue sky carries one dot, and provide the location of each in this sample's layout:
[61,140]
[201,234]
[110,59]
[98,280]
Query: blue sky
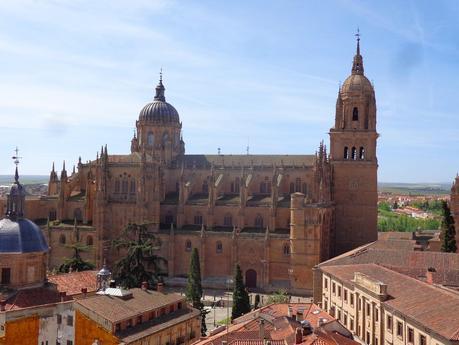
[75,74]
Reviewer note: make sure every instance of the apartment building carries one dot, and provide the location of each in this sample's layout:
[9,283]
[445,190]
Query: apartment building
[383,307]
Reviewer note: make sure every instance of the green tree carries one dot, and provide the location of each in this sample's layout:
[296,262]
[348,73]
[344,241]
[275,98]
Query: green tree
[241,302]
[448,231]
[194,288]
[76,262]
[280,296]
[139,262]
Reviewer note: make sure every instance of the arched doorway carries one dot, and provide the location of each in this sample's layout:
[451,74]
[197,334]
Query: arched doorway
[251,279]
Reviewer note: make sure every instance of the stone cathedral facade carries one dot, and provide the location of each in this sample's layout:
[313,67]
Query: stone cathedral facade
[275,215]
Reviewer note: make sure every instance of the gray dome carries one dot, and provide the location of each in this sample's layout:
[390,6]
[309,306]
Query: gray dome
[159,112]
[21,236]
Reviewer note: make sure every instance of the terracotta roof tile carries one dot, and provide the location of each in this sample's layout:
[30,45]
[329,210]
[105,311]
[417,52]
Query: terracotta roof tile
[116,309]
[34,297]
[72,283]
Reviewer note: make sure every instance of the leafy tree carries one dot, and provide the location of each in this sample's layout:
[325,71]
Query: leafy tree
[194,288]
[241,302]
[448,231]
[280,296]
[140,263]
[76,262]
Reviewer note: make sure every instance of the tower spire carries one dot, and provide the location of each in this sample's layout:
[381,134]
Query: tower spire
[16,197]
[357,66]
[160,88]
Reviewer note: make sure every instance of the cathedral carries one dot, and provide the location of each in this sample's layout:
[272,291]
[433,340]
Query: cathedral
[277,216]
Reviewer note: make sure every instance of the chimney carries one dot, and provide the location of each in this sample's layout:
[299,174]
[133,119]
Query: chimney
[224,342]
[144,286]
[63,294]
[298,336]
[290,311]
[430,275]
[299,315]
[2,305]
[321,322]
[84,291]
[160,287]
[262,329]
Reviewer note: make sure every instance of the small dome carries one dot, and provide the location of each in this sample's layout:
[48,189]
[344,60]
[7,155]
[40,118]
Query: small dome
[357,83]
[159,111]
[21,236]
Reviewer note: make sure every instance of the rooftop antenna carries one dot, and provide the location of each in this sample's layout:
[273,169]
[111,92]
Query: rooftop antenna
[248,147]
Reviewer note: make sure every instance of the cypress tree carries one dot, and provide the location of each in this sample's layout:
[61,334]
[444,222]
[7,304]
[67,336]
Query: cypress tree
[241,302]
[448,231]
[194,288]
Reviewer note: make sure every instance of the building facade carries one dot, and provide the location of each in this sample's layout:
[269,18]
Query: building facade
[381,306]
[276,215]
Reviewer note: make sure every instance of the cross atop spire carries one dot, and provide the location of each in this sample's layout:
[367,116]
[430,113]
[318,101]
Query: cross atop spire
[357,66]
[358,40]
[16,159]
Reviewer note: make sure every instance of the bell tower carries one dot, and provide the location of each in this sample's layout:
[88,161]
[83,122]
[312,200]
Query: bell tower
[354,162]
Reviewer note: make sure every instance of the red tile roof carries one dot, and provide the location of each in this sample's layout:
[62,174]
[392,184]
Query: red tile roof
[278,327]
[28,298]
[72,283]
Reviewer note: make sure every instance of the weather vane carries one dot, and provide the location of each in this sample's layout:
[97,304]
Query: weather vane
[16,157]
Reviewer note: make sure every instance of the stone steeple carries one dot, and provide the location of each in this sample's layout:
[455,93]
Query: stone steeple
[357,66]
[15,199]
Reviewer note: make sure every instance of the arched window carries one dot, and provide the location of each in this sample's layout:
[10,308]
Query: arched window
[205,187]
[132,188]
[346,152]
[298,185]
[304,188]
[188,246]
[219,247]
[228,220]
[354,154]
[362,153]
[263,187]
[292,188]
[52,214]
[62,239]
[117,186]
[198,219]
[286,249]
[259,221]
[169,218]
[89,241]
[77,214]
[165,138]
[124,187]
[355,114]
[150,139]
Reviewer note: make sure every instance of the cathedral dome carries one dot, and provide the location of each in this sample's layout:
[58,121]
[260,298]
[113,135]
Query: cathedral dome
[159,111]
[18,234]
[357,83]
[21,236]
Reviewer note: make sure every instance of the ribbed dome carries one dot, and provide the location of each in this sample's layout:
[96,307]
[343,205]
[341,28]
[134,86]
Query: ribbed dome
[159,110]
[357,83]
[21,236]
